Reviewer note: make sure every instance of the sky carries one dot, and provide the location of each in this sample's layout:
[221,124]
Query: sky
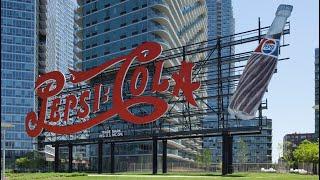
[291,91]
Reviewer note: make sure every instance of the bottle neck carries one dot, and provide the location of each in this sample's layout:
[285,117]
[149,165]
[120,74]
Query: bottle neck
[277,27]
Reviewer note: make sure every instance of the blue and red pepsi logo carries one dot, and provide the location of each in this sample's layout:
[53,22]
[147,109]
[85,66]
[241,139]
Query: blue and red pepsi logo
[269,46]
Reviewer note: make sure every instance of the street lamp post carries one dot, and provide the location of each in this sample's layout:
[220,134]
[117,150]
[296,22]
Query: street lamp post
[4,126]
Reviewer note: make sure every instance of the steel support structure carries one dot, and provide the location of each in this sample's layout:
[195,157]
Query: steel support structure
[112,170]
[227,141]
[164,156]
[190,118]
[56,158]
[154,155]
[100,150]
[70,148]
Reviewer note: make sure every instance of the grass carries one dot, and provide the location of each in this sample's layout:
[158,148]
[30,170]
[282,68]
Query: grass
[170,176]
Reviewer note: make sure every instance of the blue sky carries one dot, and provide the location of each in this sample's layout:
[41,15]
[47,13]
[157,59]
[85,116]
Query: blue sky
[291,91]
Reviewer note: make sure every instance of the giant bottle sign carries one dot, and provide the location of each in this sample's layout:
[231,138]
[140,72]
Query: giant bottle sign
[48,87]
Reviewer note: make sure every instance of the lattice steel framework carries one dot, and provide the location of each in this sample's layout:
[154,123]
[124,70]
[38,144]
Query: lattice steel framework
[182,120]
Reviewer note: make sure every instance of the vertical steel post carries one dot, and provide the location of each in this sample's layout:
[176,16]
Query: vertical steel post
[155,156]
[70,158]
[56,158]
[164,156]
[219,89]
[100,147]
[112,157]
[227,143]
[226,153]
[230,159]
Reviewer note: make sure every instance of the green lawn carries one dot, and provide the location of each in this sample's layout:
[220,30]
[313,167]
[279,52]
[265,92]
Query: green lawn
[170,176]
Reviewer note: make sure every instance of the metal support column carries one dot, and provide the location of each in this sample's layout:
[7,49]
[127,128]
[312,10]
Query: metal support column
[56,158]
[70,158]
[154,156]
[164,156]
[230,157]
[227,153]
[100,147]
[112,157]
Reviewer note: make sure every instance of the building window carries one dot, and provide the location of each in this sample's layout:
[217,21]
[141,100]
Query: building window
[94,45]
[123,12]
[107,41]
[107,5]
[144,30]
[123,36]
[123,24]
[94,56]
[135,8]
[107,17]
[107,29]
[106,52]
[144,18]
[134,33]
[135,21]
[123,48]
[144,5]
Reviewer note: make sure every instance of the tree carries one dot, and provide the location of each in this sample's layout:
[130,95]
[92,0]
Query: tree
[207,155]
[23,163]
[199,159]
[204,158]
[288,154]
[307,152]
[243,151]
[32,161]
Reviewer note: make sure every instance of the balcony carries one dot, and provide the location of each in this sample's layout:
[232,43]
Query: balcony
[43,16]
[43,2]
[79,34]
[78,19]
[174,144]
[42,46]
[78,64]
[78,43]
[78,52]
[78,10]
[42,56]
[42,63]
[43,31]
[43,8]
[43,24]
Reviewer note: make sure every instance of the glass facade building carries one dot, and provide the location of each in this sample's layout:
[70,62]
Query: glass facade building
[108,29]
[316,71]
[112,28]
[222,23]
[59,35]
[18,67]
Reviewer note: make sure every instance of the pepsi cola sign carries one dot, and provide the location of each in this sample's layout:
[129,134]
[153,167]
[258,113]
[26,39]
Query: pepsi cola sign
[56,108]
